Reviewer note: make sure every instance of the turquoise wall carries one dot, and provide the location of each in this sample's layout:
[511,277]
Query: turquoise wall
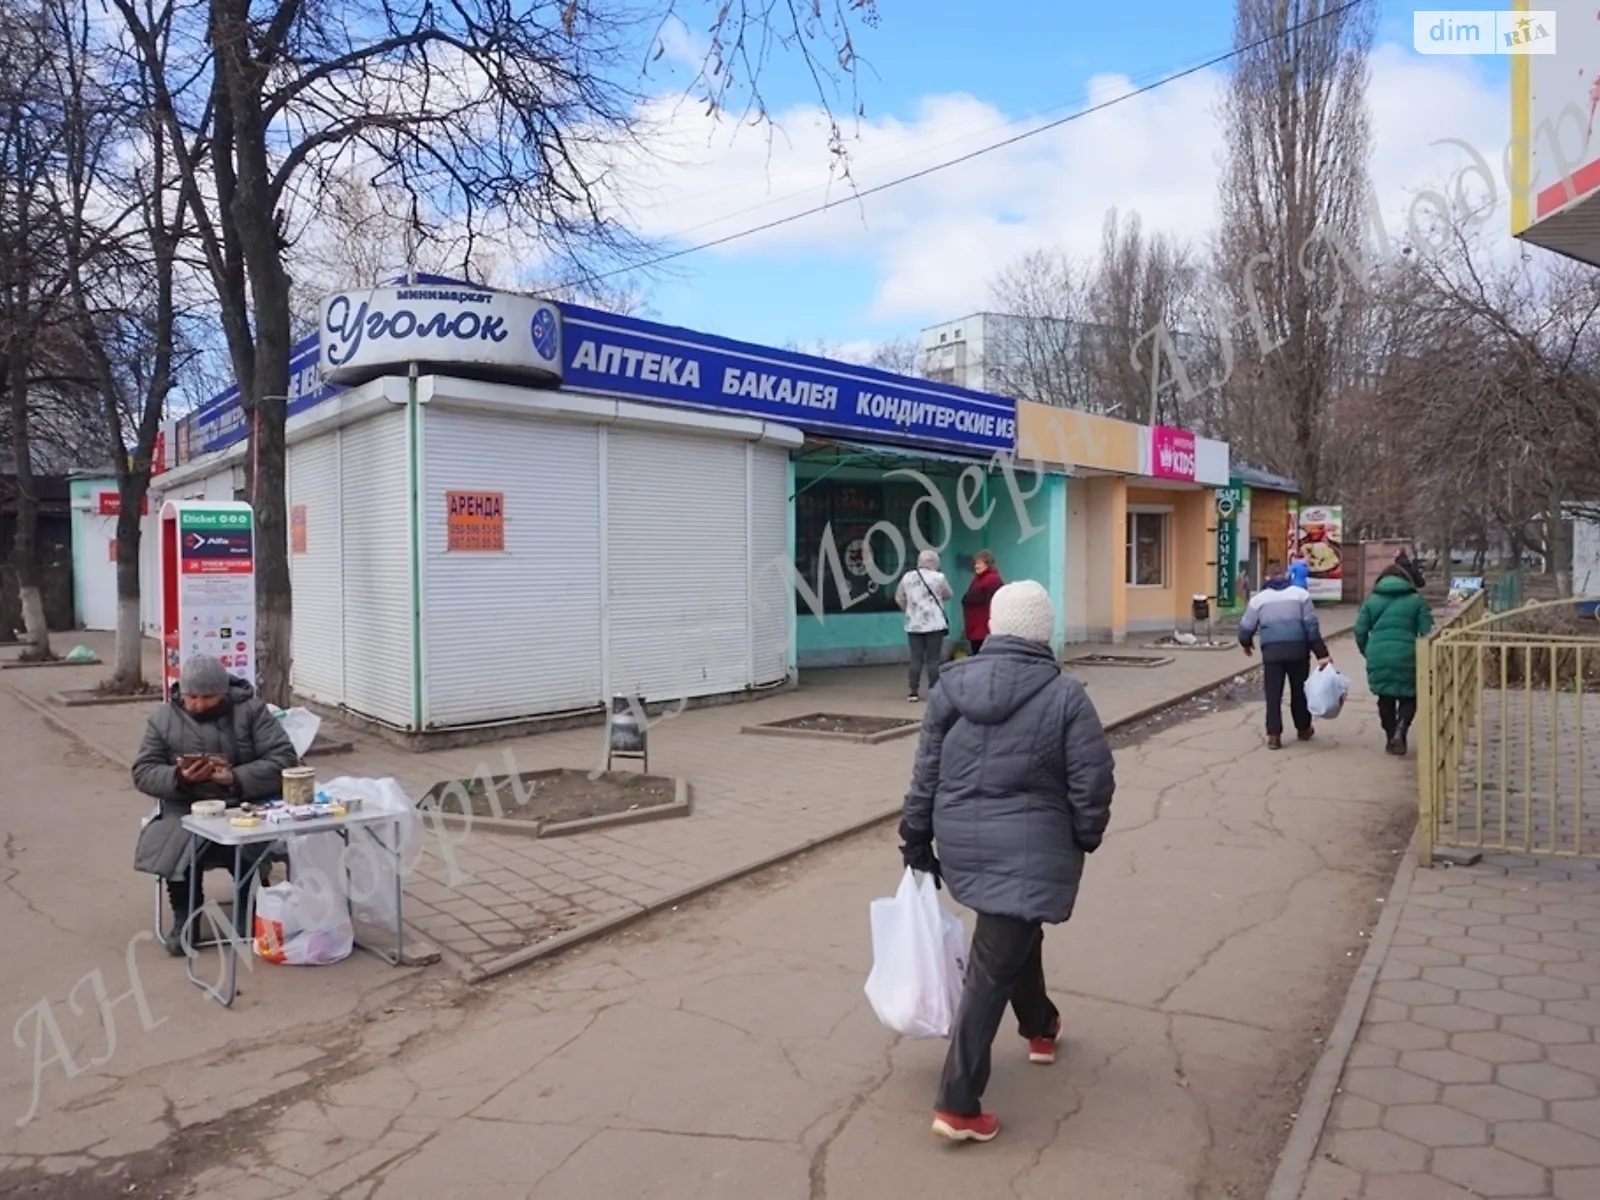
[847,639]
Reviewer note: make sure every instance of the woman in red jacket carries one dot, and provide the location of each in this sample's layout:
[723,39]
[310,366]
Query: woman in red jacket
[986,582]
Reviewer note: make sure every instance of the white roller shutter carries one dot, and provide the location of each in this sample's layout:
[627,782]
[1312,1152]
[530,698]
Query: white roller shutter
[772,593]
[677,559]
[318,574]
[378,662]
[512,634]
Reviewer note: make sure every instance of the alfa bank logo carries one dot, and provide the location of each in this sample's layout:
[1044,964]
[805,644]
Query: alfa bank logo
[1483,31]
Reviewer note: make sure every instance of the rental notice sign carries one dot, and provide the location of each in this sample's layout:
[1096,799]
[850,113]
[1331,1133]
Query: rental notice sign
[475,521]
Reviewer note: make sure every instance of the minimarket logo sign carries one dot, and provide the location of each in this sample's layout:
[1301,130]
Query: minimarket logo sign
[1483,31]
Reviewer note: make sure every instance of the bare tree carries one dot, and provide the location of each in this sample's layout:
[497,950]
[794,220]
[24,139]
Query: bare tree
[474,111]
[123,231]
[1036,350]
[32,128]
[1142,284]
[1293,195]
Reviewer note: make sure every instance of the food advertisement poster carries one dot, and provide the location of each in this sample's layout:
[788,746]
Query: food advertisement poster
[217,586]
[1319,535]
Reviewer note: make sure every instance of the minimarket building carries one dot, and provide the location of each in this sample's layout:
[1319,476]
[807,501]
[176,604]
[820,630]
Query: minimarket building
[486,532]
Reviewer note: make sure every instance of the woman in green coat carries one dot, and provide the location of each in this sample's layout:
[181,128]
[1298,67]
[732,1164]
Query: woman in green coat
[1387,629]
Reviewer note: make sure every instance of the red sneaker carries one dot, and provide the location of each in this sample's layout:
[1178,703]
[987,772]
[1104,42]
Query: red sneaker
[980,1128]
[1043,1049]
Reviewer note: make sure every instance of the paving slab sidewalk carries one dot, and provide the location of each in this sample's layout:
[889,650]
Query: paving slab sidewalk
[726,1050]
[490,900]
[1476,1071]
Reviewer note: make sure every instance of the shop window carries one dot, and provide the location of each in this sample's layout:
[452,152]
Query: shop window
[1147,549]
[843,512]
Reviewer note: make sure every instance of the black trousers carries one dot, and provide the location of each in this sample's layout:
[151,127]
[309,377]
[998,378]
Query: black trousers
[975,644]
[1295,673]
[1397,713]
[926,651]
[213,857]
[1004,966]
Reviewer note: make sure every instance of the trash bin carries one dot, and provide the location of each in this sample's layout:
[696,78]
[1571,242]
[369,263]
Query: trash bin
[1201,608]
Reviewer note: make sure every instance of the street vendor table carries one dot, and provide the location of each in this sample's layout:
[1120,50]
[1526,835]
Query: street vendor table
[222,833]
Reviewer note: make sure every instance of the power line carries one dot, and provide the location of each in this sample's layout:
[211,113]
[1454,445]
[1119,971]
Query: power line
[778,222]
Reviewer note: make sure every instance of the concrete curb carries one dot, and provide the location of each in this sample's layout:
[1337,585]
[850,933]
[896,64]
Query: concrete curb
[826,735]
[68,700]
[1294,1164]
[15,665]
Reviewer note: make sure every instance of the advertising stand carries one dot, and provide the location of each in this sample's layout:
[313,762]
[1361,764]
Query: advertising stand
[208,586]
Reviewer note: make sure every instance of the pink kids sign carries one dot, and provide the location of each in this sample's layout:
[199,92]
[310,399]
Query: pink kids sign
[1172,453]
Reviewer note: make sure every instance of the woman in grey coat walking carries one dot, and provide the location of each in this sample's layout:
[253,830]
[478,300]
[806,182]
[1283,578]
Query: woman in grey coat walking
[214,740]
[1013,780]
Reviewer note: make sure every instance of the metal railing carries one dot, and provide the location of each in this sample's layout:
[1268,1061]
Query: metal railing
[1507,705]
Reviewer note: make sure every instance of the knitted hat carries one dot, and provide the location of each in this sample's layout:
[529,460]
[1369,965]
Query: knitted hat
[204,676]
[1023,610]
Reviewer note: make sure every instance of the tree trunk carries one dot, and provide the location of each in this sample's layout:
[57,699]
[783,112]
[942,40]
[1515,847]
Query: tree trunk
[269,497]
[129,673]
[25,545]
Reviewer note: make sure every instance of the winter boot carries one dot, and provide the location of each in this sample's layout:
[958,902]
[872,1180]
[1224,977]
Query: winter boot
[178,900]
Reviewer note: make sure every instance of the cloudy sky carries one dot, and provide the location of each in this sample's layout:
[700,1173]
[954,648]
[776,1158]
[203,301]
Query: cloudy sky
[941,83]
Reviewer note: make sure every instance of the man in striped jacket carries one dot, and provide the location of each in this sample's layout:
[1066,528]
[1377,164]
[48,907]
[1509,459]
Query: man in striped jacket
[1283,619]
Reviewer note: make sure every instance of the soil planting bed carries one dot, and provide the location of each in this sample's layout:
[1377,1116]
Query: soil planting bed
[847,727]
[1117,660]
[550,803]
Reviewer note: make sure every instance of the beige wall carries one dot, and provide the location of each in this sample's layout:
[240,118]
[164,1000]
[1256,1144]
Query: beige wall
[1106,504]
[1191,553]
[1076,600]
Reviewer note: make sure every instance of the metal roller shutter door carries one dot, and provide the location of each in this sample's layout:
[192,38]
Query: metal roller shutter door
[772,593]
[376,553]
[318,574]
[677,564]
[513,634]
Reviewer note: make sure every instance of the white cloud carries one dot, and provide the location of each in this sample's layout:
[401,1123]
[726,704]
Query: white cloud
[935,242]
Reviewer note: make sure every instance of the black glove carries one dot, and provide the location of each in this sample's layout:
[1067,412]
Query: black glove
[1088,845]
[919,857]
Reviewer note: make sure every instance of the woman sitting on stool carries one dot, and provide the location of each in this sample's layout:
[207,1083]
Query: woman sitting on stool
[214,740]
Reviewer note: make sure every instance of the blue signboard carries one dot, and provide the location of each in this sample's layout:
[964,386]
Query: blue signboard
[667,365]
[220,421]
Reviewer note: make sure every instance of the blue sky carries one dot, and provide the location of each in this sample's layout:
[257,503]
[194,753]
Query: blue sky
[912,255]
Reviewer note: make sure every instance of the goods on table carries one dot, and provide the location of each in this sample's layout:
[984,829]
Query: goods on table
[244,822]
[299,785]
[207,809]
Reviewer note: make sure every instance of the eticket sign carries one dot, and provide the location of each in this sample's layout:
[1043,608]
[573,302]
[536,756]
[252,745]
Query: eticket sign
[208,586]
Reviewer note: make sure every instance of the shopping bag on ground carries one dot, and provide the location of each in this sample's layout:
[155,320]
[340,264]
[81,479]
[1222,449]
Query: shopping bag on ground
[1325,692]
[305,921]
[918,961]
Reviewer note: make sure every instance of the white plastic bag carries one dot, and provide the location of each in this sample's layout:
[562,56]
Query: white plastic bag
[305,921]
[369,864]
[919,961]
[301,724]
[1325,692]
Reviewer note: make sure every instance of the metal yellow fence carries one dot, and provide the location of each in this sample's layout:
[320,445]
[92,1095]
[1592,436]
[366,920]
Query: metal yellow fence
[1508,717]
